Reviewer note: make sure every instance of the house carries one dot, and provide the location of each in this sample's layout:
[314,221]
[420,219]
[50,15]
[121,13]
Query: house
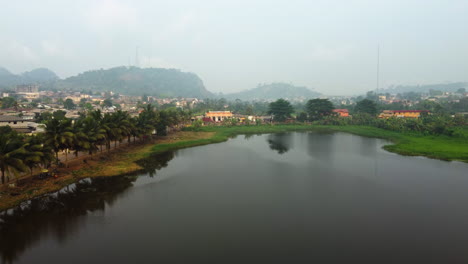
[18,123]
[207,120]
[402,113]
[218,116]
[28,92]
[341,112]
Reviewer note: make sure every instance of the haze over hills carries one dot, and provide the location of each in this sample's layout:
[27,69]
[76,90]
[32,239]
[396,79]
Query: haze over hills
[124,80]
[444,87]
[150,81]
[274,91]
[138,81]
[175,83]
[9,80]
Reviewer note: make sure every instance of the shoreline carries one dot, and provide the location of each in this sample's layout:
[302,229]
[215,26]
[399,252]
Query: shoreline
[124,160]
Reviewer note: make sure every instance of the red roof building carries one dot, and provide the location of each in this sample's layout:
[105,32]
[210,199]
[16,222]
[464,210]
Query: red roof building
[341,112]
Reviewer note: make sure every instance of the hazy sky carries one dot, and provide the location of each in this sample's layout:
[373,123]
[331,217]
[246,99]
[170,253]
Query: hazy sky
[234,45]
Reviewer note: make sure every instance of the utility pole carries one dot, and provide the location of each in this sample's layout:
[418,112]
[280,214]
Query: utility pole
[378,68]
[137,60]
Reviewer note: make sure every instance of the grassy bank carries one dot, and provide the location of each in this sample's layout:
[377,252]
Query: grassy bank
[411,144]
[220,134]
[124,160]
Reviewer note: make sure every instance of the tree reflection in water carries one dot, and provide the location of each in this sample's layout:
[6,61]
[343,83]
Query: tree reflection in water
[62,213]
[281,142]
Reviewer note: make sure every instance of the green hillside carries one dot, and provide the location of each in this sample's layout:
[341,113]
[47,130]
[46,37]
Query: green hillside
[138,81]
[275,91]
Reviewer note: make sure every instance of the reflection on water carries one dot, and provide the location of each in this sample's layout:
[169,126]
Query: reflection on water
[63,213]
[329,198]
[280,142]
[154,163]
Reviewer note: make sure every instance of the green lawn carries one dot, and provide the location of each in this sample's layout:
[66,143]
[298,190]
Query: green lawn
[439,147]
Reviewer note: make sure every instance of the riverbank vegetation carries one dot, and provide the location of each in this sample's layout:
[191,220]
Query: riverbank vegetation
[90,134]
[436,135]
[408,143]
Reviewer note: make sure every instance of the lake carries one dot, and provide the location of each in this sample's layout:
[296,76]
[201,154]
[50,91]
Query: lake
[272,198]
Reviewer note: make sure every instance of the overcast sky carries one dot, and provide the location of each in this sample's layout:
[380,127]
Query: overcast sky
[234,45]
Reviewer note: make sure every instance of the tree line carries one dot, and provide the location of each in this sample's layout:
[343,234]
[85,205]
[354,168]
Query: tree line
[320,111]
[92,132]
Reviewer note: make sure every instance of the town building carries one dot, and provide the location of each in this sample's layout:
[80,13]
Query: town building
[27,88]
[18,123]
[218,116]
[402,113]
[341,112]
[28,92]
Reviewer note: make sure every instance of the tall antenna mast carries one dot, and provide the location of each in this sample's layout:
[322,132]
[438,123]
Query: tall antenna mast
[378,68]
[137,60]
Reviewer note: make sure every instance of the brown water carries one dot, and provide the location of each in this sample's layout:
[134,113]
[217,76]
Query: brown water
[277,198]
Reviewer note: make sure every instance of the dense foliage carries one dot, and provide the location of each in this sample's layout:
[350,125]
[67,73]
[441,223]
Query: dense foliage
[281,110]
[366,106]
[319,108]
[90,133]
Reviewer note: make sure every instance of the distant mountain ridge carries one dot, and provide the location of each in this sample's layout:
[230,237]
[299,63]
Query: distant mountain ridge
[138,81]
[275,91]
[9,80]
[444,87]
[124,80]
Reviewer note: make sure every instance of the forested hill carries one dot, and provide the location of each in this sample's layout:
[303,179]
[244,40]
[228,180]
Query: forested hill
[9,80]
[139,81]
[275,91]
[444,87]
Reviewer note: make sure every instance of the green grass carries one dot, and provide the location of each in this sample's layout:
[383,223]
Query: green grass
[224,133]
[414,144]
[411,144]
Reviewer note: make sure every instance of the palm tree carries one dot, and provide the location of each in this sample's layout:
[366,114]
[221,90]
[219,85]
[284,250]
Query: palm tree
[12,153]
[148,120]
[95,134]
[37,153]
[58,135]
[109,126]
[80,138]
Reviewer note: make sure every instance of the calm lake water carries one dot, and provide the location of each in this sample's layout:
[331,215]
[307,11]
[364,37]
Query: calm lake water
[274,198]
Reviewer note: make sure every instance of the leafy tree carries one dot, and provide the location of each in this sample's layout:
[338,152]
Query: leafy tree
[371,95]
[280,109]
[8,102]
[88,106]
[58,135]
[107,102]
[366,106]
[319,108]
[12,153]
[40,118]
[59,114]
[69,104]
[83,101]
[302,117]
[37,152]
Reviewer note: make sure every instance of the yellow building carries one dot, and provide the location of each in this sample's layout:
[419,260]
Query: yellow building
[218,116]
[402,113]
